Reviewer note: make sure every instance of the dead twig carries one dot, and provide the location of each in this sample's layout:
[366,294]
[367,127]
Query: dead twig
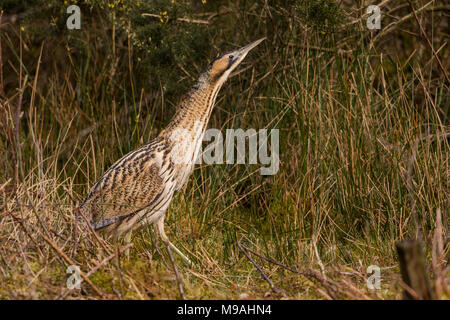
[107,259]
[99,265]
[270,260]
[70,262]
[178,19]
[88,224]
[272,285]
[391,27]
[310,274]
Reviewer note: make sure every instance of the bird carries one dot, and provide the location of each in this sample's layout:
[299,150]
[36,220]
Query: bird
[138,188]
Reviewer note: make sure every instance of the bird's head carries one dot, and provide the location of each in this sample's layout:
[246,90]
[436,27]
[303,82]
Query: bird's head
[221,67]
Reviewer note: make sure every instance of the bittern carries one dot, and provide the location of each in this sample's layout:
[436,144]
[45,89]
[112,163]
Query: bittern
[138,188]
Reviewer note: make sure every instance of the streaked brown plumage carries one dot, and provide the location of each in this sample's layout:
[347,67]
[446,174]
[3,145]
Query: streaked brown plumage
[138,188]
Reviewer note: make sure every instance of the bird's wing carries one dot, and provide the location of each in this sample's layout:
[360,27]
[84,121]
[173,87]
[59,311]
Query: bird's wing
[133,183]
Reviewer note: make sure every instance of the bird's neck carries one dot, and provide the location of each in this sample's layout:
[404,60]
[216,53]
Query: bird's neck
[196,106]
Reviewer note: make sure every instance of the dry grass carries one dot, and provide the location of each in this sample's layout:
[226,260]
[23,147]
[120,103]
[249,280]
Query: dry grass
[364,163]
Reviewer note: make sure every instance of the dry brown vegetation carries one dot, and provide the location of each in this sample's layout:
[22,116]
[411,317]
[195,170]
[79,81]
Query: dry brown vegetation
[364,125]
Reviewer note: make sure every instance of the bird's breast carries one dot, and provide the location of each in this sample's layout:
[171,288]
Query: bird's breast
[186,145]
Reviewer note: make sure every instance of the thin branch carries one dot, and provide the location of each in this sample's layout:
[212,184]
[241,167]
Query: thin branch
[178,19]
[393,25]
[70,262]
[309,275]
[270,260]
[272,285]
[101,241]
[99,265]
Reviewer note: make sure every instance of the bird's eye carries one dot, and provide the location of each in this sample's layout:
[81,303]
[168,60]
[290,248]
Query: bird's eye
[231,56]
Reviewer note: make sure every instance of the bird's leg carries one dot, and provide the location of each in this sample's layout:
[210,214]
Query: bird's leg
[156,240]
[180,284]
[160,226]
[127,240]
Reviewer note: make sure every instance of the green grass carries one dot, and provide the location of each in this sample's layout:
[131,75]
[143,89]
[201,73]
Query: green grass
[348,114]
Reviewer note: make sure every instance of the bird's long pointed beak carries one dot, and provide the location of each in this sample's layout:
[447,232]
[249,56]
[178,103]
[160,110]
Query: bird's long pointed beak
[242,52]
[250,46]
